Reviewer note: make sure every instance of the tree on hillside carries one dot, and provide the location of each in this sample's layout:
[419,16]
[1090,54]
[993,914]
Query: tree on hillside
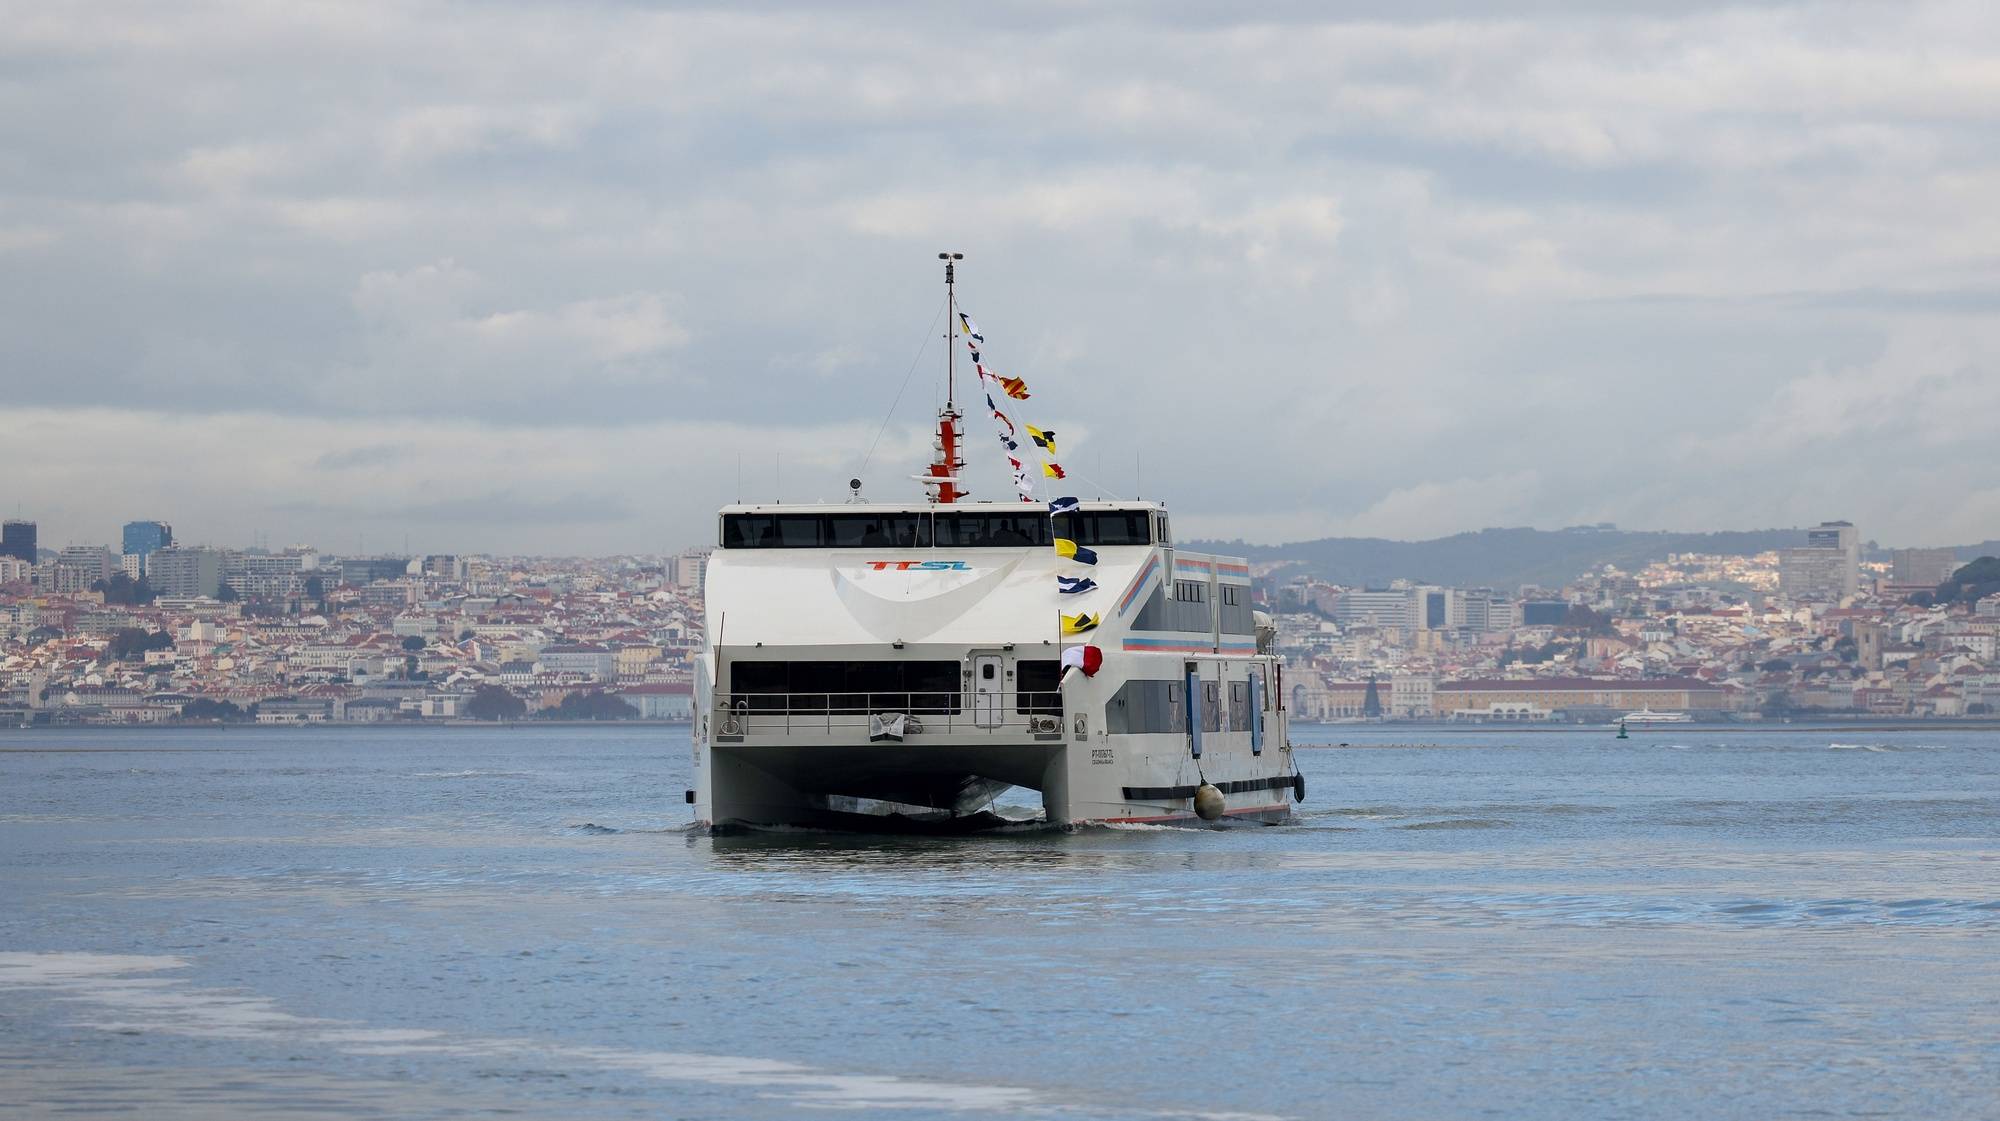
[1970,584]
[131,642]
[121,589]
[204,708]
[494,702]
[1581,618]
[592,706]
[413,643]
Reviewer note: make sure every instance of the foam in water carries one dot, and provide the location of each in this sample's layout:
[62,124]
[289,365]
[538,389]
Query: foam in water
[132,1001]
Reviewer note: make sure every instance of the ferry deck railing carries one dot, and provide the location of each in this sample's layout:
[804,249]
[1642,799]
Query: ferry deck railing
[925,713]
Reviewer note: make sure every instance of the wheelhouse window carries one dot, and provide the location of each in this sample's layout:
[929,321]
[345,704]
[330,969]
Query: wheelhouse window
[1105,527]
[826,531]
[878,531]
[975,531]
[945,529]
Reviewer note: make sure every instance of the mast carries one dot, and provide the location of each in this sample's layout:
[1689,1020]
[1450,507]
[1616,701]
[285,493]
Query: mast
[950,327]
[947,465]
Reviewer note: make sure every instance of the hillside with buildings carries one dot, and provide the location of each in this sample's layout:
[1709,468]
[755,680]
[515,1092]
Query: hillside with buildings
[1808,630]
[166,632]
[1505,558]
[161,631]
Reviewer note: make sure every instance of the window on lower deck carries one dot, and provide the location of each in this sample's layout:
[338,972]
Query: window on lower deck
[845,687]
[1144,708]
[1037,687]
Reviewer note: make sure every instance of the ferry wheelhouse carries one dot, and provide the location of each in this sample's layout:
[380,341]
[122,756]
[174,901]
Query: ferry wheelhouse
[898,665]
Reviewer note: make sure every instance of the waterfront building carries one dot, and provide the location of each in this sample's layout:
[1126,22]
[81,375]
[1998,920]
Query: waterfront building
[1553,694]
[665,700]
[1412,695]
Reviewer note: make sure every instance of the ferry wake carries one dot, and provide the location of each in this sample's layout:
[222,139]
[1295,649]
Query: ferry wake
[895,666]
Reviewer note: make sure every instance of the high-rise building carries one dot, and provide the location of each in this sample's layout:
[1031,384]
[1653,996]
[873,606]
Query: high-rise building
[265,575]
[17,539]
[1843,537]
[142,538]
[80,566]
[362,571]
[690,569]
[1828,568]
[443,566]
[1375,607]
[1923,566]
[179,571]
[1813,574]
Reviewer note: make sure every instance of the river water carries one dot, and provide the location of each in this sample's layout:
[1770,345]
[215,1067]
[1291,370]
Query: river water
[1523,923]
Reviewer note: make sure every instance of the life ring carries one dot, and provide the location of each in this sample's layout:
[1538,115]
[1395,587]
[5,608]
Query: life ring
[1298,787]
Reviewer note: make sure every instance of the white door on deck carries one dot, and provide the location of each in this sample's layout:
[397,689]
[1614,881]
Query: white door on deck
[989,693]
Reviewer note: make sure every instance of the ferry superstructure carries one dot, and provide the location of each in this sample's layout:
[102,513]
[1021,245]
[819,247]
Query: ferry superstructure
[912,656]
[891,665]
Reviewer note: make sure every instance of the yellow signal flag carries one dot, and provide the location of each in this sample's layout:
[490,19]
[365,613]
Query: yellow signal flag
[1077,624]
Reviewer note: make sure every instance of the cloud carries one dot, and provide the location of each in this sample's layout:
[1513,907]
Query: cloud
[338,482]
[1390,268]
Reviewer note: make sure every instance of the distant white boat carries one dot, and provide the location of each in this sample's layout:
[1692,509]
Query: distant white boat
[1648,716]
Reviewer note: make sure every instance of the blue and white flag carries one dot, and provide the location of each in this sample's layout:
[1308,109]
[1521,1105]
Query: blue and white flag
[1062,506]
[1074,585]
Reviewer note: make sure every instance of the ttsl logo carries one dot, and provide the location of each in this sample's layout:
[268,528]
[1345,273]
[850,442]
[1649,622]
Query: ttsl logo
[920,566]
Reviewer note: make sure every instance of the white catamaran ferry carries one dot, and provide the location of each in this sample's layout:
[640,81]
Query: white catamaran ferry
[898,665]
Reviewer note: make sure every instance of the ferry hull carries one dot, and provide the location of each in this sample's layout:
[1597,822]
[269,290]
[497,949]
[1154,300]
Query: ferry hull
[924,788]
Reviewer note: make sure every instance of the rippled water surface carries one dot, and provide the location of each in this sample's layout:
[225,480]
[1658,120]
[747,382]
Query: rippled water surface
[1529,923]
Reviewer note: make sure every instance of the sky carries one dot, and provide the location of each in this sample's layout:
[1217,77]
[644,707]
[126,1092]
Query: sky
[563,278]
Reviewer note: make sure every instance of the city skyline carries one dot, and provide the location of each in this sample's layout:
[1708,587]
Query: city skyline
[1433,267]
[413,547]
